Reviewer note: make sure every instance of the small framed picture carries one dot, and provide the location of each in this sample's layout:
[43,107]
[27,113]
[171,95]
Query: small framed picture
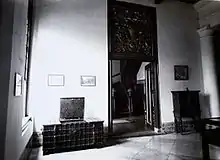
[18,85]
[56,80]
[181,72]
[88,80]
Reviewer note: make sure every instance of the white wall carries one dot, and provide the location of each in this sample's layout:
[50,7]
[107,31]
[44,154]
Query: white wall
[178,44]
[15,142]
[70,39]
[68,32]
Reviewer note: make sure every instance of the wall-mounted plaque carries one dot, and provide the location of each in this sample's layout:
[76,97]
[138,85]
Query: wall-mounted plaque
[56,80]
[88,80]
[181,72]
[18,85]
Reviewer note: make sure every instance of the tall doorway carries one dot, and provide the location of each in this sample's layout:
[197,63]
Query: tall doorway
[133,52]
[134,96]
[152,112]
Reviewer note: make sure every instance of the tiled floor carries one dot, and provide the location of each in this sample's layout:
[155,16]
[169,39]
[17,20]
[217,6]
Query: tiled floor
[162,147]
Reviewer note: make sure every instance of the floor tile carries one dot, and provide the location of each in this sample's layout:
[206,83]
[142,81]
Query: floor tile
[180,157]
[162,147]
[214,152]
[150,154]
[187,149]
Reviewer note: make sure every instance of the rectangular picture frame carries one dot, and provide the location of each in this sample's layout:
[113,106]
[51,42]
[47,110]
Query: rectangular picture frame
[56,80]
[89,81]
[18,85]
[181,72]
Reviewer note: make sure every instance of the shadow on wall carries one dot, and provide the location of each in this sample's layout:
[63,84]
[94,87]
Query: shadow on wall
[216,40]
[205,105]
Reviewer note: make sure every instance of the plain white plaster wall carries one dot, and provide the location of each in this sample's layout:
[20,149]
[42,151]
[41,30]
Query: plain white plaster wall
[67,32]
[15,142]
[70,39]
[178,44]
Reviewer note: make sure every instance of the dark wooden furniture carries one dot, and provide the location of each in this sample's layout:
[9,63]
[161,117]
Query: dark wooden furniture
[185,105]
[210,135]
[69,136]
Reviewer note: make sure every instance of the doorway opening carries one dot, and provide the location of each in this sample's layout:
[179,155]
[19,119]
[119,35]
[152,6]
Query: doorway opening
[134,96]
[133,68]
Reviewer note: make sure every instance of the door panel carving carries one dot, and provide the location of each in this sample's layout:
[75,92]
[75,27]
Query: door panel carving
[133,30]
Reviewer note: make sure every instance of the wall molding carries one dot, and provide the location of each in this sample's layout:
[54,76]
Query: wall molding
[205,31]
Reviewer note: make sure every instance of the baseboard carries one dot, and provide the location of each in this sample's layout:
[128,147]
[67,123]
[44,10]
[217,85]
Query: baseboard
[27,151]
[170,127]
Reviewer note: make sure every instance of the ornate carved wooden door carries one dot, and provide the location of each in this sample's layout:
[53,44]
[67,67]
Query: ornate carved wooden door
[133,35]
[132,31]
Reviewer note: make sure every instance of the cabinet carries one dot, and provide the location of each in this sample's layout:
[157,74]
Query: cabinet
[69,136]
[185,105]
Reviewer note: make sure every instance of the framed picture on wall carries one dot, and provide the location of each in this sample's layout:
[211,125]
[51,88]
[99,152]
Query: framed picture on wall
[56,80]
[181,72]
[88,80]
[18,85]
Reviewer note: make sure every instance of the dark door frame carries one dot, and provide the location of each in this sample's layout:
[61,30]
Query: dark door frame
[155,123]
[153,94]
[120,57]
[148,98]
